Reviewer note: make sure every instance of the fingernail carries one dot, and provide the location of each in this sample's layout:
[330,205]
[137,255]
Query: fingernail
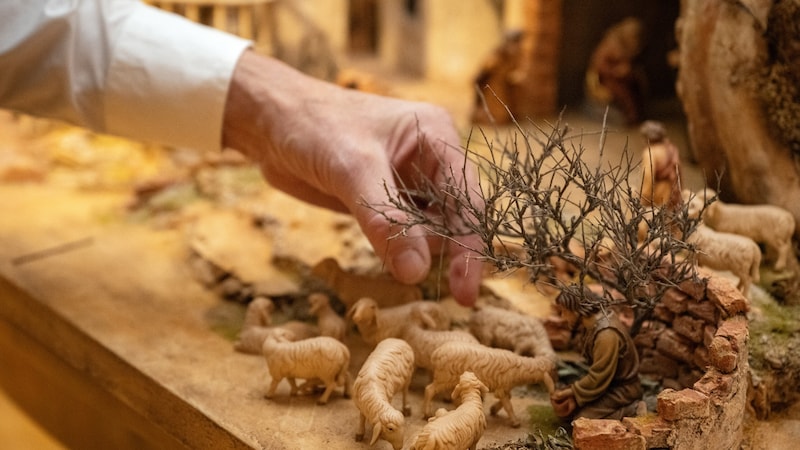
[409,266]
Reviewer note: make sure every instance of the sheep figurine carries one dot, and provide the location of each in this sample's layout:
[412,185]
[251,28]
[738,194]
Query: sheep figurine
[350,287]
[251,339]
[770,225]
[375,324]
[726,251]
[387,370]
[511,330]
[460,428]
[500,370]
[259,313]
[320,358]
[328,321]
[425,341]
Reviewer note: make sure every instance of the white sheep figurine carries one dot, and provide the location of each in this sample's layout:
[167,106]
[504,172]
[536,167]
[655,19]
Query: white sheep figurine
[425,341]
[328,321]
[320,358]
[387,370]
[460,428]
[511,330]
[375,324]
[251,339]
[726,251]
[770,225]
[500,370]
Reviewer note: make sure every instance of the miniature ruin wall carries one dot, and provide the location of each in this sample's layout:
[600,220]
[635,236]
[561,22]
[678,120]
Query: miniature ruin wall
[696,346]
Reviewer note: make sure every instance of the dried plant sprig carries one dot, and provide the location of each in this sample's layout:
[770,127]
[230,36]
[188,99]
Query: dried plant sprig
[539,201]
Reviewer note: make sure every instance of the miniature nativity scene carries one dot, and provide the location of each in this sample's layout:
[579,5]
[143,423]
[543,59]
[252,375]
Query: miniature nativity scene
[640,273]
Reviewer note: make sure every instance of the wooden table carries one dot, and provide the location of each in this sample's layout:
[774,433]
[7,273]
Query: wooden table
[112,345]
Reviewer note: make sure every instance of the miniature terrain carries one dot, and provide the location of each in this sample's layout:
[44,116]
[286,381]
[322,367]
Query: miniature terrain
[143,230]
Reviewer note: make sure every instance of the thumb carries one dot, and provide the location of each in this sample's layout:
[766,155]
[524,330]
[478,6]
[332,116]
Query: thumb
[403,250]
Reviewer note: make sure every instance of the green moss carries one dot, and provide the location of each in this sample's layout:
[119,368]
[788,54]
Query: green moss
[543,419]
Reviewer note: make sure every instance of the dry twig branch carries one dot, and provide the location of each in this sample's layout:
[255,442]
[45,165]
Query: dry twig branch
[540,205]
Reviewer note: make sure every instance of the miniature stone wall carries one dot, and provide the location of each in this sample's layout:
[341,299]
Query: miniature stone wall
[696,346]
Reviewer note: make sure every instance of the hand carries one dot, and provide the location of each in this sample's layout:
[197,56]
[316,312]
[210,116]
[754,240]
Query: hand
[564,403]
[336,148]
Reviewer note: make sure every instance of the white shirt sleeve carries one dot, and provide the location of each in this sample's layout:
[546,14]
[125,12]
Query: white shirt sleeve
[117,66]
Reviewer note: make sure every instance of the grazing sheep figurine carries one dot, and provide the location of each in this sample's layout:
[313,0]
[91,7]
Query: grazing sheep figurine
[424,342]
[500,370]
[350,287]
[386,371]
[259,313]
[329,323]
[460,428]
[251,339]
[503,328]
[725,251]
[770,225]
[375,324]
[320,358]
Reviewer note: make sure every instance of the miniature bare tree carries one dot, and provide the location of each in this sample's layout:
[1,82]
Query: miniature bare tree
[540,205]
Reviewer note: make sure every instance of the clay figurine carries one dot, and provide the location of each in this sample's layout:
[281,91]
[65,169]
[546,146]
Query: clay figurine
[611,389]
[386,372]
[500,370]
[460,428]
[661,176]
[320,358]
[614,75]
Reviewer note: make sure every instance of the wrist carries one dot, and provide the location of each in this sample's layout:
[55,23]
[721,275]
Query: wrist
[260,100]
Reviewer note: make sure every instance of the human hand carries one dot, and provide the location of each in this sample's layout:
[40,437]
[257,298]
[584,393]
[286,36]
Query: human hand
[563,402]
[337,148]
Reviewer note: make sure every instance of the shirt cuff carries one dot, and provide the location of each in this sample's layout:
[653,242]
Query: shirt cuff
[168,80]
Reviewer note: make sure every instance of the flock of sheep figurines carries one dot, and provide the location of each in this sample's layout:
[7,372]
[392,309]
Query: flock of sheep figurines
[501,350]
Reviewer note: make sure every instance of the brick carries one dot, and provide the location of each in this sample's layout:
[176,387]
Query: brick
[675,300]
[709,331]
[656,363]
[675,346]
[662,313]
[689,327]
[602,434]
[655,430]
[724,294]
[735,329]
[715,384]
[722,354]
[648,334]
[688,376]
[700,358]
[696,288]
[684,404]
[705,310]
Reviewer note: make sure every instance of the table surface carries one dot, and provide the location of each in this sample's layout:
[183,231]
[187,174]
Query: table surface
[112,340]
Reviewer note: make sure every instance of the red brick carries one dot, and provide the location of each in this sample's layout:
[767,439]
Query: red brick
[696,288]
[689,328]
[723,293]
[735,329]
[662,313]
[709,331]
[722,354]
[700,358]
[684,404]
[655,430]
[648,335]
[675,300]
[602,434]
[705,310]
[659,364]
[715,384]
[675,346]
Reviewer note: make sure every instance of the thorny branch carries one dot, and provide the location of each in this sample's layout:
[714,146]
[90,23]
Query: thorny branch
[540,205]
